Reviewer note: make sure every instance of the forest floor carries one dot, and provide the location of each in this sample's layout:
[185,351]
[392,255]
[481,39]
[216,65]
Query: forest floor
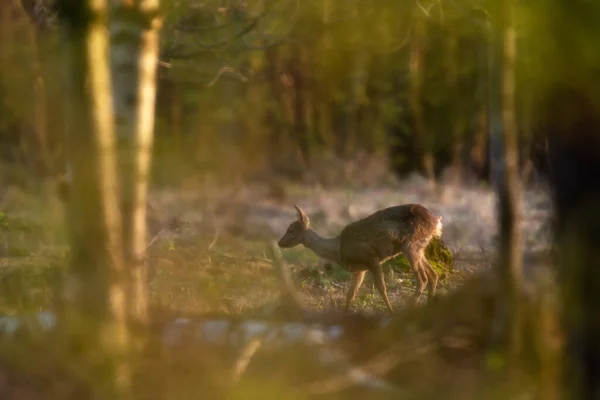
[214,260]
[207,249]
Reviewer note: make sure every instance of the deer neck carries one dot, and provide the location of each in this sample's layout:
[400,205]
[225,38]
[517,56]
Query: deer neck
[323,247]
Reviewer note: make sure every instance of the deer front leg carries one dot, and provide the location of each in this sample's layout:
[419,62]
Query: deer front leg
[379,281]
[357,280]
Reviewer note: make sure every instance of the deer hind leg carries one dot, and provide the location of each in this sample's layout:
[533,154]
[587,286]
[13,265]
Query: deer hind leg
[431,274]
[414,260]
[357,280]
[379,281]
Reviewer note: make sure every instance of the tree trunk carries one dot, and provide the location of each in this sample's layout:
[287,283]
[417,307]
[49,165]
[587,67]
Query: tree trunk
[297,70]
[416,87]
[134,57]
[505,173]
[97,316]
[571,120]
[273,111]
[39,92]
[570,117]
[454,112]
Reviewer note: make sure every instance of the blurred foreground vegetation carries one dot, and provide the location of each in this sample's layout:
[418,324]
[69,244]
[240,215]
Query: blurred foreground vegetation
[322,94]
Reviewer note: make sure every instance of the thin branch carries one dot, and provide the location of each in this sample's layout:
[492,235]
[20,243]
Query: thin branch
[425,11]
[155,238]
[173,53]
[252,20]
[288,292]
[220,43]
[229,70]
[377,365]
[242,362]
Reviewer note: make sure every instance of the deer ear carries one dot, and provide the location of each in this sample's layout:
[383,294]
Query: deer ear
[302,217]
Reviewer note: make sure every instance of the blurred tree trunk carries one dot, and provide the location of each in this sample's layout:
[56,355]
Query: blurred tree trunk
[43,158]
[569,114]
[478,155]
[273,110]
[454,110]
[325,107]
[96,290]
[416,72]
[134,58]
[297,68]
[573,126]
[505,174]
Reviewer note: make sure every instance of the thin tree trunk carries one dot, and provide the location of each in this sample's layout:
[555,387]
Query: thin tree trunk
[39,91]
[325,127]
[97,314]
[273,111]
[299,127]
[505,173]
[134,56]
[416,107]
[455,115]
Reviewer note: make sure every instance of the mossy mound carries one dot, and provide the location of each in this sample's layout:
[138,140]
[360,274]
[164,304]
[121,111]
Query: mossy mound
[438,254]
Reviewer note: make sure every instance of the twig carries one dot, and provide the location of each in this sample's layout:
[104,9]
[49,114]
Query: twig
[155,238]
[229,70]
[288,292]
[337,285]
[378,365]
[216,236]
[425,11]
[246,259]
[242,362]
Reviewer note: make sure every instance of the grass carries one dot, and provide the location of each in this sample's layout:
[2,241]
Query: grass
[192,273]
[231,277]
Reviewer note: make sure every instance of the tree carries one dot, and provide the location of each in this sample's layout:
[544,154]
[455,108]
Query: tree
[505,176]
[416,71]
[134,57]
[96,311]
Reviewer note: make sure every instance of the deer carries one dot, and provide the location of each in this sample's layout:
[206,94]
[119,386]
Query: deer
[364,245]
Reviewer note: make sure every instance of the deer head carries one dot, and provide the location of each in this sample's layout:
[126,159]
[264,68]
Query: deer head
[295,232]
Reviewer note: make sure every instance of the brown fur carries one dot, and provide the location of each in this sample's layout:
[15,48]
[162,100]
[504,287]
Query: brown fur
[365,244]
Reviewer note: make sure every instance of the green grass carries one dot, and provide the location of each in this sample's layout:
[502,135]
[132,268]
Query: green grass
[232,277]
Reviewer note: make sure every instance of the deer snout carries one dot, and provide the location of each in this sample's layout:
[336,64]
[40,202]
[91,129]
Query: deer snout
[284,242]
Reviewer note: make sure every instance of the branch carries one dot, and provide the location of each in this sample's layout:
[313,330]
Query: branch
[229,70]
[223,42]
[377,365]
[241,363]
[253,20]
[288,292]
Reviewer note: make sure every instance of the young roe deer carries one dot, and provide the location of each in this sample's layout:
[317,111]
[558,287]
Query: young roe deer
[365,244]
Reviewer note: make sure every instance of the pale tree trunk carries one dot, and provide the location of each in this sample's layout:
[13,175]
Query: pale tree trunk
[416,87]
[96,311]
[505,176]
[134,57]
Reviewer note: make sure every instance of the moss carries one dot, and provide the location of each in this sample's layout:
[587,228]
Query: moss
[438,254]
